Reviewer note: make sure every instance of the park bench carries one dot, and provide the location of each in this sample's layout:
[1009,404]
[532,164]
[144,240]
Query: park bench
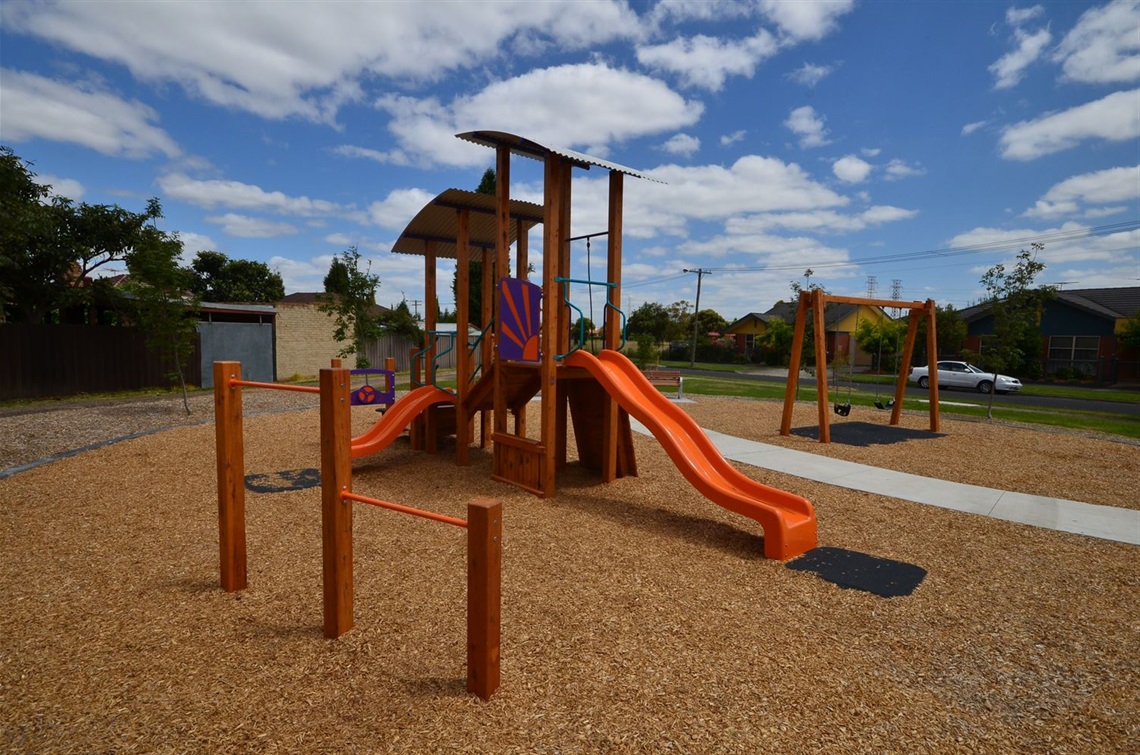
[673,378]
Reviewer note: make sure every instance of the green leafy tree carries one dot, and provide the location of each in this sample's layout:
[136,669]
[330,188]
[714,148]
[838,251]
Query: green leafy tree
[950,328]
[351,308]
[218,278]
[652,318]
[1130,333]
[158,287]
[1016,307]
[475,265]
[400,321]
[50,245]
[336,281]
[646,350]
[882,338]
[709,321]
[776,340]
[808,352]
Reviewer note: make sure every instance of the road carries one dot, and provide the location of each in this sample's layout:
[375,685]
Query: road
[1012,400]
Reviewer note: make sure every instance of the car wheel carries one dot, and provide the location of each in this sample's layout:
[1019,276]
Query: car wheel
[984,386]
[923,382]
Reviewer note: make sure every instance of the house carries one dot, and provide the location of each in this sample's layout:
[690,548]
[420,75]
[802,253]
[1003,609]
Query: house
[1079,332]
[841,321]
[305,341]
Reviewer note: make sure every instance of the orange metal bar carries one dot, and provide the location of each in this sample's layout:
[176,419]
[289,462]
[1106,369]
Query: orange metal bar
[277,386]
[348,496]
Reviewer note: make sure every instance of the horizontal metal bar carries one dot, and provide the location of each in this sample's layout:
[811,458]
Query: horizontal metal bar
[275,386]
[347,496]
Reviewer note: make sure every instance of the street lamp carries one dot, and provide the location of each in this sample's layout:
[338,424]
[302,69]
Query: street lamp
[701,272]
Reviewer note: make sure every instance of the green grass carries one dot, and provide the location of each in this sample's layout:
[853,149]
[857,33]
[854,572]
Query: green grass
[863,400]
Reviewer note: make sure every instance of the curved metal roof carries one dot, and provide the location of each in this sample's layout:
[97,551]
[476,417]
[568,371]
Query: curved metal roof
[438,222]
[526,148]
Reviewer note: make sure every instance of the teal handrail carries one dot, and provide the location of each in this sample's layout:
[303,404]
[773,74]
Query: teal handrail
[582,315]
[435,337]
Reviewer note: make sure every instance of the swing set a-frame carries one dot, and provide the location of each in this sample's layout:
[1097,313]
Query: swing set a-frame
[813,303]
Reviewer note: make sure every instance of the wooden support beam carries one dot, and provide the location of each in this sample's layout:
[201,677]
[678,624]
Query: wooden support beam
[430,306]
[932,358]
[802,309]
[612,322]
[336,513]
[552,314]
[913,319]
[819,328]
[874,302]
[484,595]
[231,476]
[503,211]
[522,251]
[462,315]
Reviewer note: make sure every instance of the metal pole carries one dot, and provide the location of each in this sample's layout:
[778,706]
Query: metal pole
[701,272]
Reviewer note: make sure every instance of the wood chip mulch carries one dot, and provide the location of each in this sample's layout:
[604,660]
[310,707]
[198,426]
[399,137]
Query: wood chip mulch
[637,616]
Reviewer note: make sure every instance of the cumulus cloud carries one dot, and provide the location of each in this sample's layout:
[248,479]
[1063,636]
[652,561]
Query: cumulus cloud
[425,129]
[397,209]
[851,169]
[806,21]
[1009,69]
[732,138]
[970,128]
[36,107]
[1114,117]
[809,74]
[705,62]
[804,122]
[1098,188]
[61,187]
[682,144]
[898,169]
[213,193]
[818,221]
[1078,246]
[246,227]
[306,59]
[391,157]
[1102,48]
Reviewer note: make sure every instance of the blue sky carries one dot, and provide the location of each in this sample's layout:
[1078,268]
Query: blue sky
[921,142]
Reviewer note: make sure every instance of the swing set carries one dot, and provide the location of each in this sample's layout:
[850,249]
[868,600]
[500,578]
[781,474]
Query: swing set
[813,303]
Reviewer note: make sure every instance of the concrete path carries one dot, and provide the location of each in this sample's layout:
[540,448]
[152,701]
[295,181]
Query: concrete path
[1105,522]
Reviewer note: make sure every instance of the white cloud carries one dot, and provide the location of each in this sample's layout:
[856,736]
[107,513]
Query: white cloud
[818,221]
[1078,246]
[397,209]
[806,20]
[1097,188]
[192,243]
[392,157]
[1114,118]
[809,74]
[1009,69]
[701,10]
[237,195]
[706,62]
[970,128]
[35,107]
[1018,16]
[682,144]
[1103,46]
[898,169]
[851,169]
[804,122]
[308,58]
[61,187]
[246,227]
[426,129]
[870,151]
[732,138]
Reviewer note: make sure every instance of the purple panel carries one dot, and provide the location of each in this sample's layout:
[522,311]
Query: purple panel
[520,304]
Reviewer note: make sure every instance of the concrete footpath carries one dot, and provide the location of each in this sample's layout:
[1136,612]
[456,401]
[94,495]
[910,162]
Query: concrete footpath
[1105,522]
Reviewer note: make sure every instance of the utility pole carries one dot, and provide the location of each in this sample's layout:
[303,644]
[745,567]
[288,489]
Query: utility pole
[701,272]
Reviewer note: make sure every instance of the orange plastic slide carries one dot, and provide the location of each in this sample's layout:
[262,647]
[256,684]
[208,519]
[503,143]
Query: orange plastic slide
[398,417]
[788,520]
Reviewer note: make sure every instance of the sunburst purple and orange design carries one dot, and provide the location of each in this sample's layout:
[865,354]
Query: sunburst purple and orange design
[520,304]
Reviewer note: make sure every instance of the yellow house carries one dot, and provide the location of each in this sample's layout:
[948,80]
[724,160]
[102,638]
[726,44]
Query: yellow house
[840,323]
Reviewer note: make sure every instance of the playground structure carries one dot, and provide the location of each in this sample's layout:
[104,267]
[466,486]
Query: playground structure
[525,350]
[814,302]
[483,523]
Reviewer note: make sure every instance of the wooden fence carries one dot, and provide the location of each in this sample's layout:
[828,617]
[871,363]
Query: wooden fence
[39,361]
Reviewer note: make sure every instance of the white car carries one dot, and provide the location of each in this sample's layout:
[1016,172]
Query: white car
[964,375]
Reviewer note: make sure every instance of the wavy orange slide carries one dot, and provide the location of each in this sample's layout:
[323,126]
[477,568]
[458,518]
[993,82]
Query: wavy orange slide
[398,416]
[788,520]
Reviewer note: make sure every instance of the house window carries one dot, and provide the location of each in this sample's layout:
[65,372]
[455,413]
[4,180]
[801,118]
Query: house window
[1073,353]
[749,341]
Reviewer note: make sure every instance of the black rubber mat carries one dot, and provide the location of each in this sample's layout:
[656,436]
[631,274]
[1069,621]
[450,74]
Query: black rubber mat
[860,571]
[866,433]
[283,481]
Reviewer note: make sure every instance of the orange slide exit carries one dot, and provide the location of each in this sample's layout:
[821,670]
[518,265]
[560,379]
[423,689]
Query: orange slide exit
[398,416]
[788,520]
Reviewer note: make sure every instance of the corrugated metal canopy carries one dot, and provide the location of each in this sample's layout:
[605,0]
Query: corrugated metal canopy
[525,147]
[438,222]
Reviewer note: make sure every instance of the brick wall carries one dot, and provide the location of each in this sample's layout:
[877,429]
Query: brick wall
[304,341]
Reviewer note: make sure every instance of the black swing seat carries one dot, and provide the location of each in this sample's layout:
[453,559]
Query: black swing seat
[880,405]
[842,409]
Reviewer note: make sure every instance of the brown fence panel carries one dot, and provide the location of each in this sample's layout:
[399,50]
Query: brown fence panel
[62,360]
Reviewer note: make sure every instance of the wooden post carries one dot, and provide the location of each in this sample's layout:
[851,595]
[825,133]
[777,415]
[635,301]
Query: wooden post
[794,364]
[336,513]
[817,306]
[904,363]
[231,476]
[484,589]
[462,315]
[612,323]
[932,357]
[552,317]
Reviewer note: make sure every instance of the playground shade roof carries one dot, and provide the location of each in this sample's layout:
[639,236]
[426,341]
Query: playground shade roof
[438,221]
[526,148]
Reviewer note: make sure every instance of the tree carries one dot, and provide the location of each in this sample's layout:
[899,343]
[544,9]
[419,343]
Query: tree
[50,245]
[336,281]
[709,321]
[950,329]
[351,307]
[218,278]
[652,318]
[1015,307]
[400,321]
[1130,332]
[475,266]
[880,338]
[158,287]
[777,340]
